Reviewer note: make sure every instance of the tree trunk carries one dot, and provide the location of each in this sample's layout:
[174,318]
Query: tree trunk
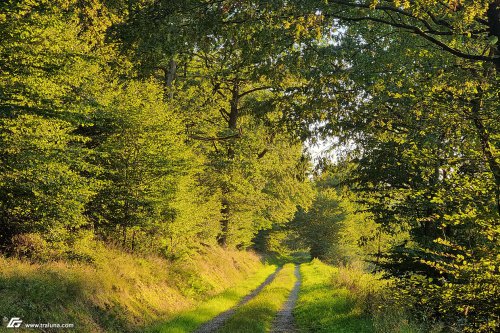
[232,124]
[124,231]
[493,14]
[484,139]
[169,79]
[222,239]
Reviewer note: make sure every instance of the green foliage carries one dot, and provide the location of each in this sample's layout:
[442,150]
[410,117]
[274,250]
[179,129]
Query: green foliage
[420,128]
[41,184]
[233,105]
[94,138]
[427,166]
[167,126]
[43,161]
[337,228]
[148,171]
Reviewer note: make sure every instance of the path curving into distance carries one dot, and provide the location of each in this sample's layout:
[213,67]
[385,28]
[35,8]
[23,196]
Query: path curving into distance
[217,322]
[284,321]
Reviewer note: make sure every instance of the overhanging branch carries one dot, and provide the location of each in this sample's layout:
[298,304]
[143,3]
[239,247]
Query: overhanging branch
[216,138]
[253,90]
[417,31]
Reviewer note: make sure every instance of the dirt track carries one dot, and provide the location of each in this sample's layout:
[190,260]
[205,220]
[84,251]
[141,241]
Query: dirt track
[216,323]
[284,321]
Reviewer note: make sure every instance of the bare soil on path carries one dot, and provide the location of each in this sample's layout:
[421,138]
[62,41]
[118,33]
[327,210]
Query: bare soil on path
[284,322]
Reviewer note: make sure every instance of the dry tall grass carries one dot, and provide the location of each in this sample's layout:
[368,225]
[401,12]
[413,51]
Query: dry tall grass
[118,292]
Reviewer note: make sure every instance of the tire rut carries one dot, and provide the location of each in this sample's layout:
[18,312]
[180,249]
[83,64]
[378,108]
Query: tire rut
[284,321]
[217,322]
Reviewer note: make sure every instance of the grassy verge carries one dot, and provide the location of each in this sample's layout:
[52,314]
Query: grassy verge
[349,300]
[324,307]
[258,314]
[189,321]
[118,292]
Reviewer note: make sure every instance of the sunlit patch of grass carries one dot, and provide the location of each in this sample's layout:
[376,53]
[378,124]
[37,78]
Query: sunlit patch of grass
[375,297]
[324,307]
[189,321]
[348,299]
[258,314]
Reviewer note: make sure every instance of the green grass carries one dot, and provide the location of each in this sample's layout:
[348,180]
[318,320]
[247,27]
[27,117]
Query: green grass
[324,306]
[189,321]
[258,314]
[350,300]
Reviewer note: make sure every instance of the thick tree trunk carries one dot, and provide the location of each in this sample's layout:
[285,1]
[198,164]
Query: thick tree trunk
[169,73]
[232,124]
[235,100]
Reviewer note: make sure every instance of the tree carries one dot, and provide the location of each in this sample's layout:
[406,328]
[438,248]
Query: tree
[47,87]
[149,173]
[228,56]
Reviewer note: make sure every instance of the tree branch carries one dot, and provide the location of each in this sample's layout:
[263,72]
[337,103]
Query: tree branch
[417,31]
[217,138]
[224,114]
[253,90]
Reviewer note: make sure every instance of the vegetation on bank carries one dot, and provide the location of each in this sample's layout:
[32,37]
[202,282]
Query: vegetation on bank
[324,307]
[257,315]
[350,300]
[122,292]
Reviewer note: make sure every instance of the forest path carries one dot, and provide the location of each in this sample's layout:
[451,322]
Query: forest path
[284,322]
[217,322]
